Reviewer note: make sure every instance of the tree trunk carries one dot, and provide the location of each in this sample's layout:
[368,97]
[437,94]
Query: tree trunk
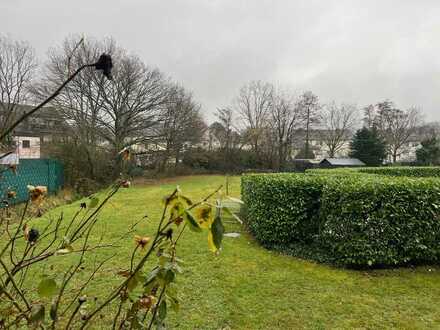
[118,160]
[394,155]
[331,152]
[281,157]
[307,134]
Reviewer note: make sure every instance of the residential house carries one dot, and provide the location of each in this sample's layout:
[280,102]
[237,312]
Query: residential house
[35,132]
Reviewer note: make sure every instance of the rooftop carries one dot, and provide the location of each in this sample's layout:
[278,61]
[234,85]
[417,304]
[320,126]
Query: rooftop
[344,161]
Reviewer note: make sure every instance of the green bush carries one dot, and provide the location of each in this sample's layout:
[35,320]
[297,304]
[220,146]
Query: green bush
[403,171]
[381,221]
[335,171]
[359,218]
[282,208]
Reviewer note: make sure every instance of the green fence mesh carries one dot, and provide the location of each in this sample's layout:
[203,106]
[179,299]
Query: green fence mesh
[35,172]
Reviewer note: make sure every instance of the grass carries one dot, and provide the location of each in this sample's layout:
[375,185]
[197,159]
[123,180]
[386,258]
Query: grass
[249,287]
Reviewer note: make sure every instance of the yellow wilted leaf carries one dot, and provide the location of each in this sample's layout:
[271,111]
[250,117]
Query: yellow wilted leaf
[177,210]
[211,244]
[204,216]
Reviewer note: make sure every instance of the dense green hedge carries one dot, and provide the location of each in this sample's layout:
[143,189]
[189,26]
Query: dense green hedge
[416,171]
[282,207]
[355,220]
[381,221]
[403,171]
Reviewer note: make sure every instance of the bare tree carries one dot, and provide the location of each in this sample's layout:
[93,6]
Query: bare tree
[182,125]
[285,118]
[117,114]
[396,126]
[253,104]
[120,112]
[338,122]
[133,104]
[429,130]
[225,117]
[309,106]
[369,115]
[400,126]
[80,103]
[379,114]
[17,67]
[215,135]
[227,135]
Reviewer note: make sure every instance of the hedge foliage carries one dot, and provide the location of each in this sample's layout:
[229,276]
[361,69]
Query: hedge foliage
[282,206]
[365,218]
[417,171]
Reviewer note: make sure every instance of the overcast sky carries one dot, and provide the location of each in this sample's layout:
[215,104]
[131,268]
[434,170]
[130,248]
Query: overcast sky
[354,51]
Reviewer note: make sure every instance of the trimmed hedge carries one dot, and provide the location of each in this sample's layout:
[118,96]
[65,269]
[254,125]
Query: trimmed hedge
[282,208]
[418,172]
[381,221]
[355,220]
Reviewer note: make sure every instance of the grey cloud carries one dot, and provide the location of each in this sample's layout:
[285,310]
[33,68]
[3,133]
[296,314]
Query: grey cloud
[347,50]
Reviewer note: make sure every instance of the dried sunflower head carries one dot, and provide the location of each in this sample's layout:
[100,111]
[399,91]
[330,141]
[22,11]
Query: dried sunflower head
[178,221]
[142,241]
[31,234]
[37,193]
[12,194]
[105,64]
[147,301]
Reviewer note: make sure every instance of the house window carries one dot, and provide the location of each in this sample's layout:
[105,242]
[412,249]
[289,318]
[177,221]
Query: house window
[26,144]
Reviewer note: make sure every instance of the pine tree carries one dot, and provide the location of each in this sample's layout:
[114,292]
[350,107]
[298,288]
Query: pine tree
[368,146]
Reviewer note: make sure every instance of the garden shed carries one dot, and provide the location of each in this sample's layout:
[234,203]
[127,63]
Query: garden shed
[340,162]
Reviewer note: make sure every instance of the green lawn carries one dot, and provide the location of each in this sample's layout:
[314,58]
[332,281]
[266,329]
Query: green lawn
[249,287]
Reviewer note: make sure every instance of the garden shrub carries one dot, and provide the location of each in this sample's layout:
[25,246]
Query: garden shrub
[403,171]
[282,208]
[335,171]
[381,221]
[400,171]
[357,217]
